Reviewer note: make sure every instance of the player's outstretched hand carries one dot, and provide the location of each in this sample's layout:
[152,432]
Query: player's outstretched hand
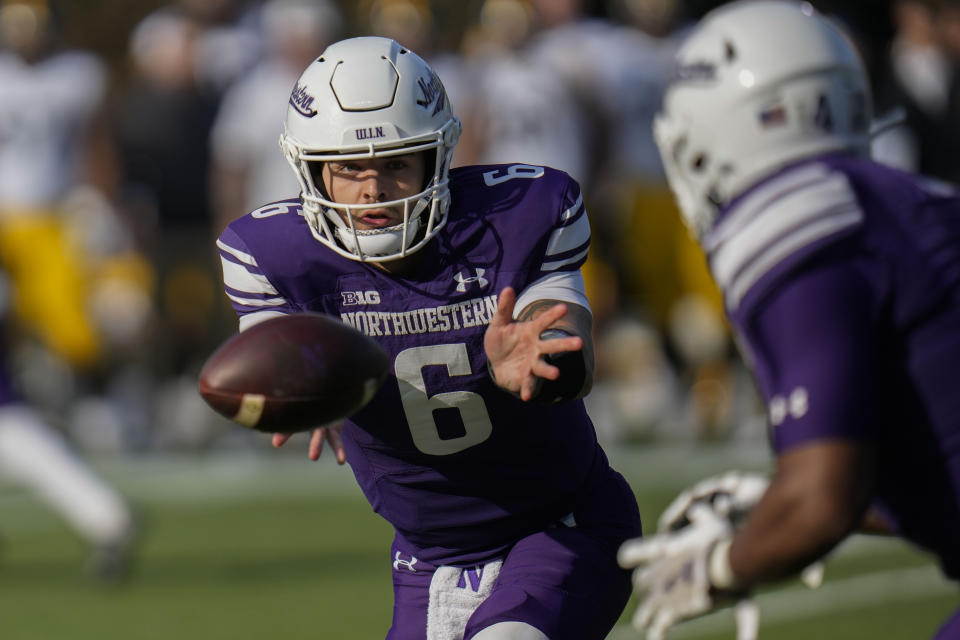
[671,575]
[731,495]
[514,349]
[330,433]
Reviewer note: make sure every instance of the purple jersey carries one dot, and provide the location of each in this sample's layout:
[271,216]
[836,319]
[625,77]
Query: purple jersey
[459,467]
[842,280]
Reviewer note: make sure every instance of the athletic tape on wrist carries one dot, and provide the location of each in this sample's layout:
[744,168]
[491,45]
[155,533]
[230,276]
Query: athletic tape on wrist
[719,571]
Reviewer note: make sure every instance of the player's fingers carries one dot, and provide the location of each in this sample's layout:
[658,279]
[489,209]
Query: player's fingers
[643,615]
[336,441]
[638,551]
[279,439]
[675,513]
[527,387]
[543,369]
[812,576]
[646,578]
[574,343]
[505,304]
[701,514]
[548,317]
[658,628]
[316,443]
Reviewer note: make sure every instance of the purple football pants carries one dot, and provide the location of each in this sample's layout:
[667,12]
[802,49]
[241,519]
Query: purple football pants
[564,580]
[950,629]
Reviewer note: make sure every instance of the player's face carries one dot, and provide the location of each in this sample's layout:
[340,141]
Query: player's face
[373,180]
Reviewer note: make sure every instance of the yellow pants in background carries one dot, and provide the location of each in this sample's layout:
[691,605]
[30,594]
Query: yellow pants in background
[50,278]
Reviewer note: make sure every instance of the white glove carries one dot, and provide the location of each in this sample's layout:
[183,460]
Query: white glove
[671,571]
[730,495]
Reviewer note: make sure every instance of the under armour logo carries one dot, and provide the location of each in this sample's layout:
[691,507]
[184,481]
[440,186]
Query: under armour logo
[399,562]
[464,280]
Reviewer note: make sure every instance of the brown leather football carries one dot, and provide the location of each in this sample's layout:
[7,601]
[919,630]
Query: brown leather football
[293,373]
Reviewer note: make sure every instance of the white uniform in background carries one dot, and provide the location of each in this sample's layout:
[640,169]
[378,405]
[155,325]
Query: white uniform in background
[241,138]
[44,110]
[527,113]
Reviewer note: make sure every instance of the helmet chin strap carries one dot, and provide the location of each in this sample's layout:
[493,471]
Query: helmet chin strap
[378,242]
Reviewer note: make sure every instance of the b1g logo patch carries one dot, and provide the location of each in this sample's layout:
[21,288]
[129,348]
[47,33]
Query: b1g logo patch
[353,298]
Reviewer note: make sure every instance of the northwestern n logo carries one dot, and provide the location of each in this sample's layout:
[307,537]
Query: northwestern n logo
[471,578]
[464,280]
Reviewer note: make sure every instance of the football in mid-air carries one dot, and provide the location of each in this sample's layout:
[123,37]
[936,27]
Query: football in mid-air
[293,373]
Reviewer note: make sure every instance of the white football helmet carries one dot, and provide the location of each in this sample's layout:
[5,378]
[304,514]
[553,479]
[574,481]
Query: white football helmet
[367,98]
[757,85]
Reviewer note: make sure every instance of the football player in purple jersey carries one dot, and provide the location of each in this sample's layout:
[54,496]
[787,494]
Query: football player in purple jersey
[841,279]
[477,449]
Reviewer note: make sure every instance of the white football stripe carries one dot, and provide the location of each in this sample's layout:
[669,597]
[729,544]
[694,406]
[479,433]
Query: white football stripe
[249,319]
[570,237]
[237,277]
[553,266]
[572,211]
[738,287]
[763,231]
[762,199]
[257,302]
[243,257]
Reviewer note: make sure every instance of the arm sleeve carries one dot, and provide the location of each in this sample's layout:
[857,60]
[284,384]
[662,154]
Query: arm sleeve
[817,356]
[565,286]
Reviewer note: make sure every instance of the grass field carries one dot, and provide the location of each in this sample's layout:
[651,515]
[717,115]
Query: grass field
[247,546]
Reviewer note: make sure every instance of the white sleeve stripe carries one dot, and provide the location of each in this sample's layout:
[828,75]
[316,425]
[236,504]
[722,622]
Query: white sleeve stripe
[250,319]
[566,286]
[739,285]
[257,302]
[569,237]
[572,211]
[245,258]
[788,216]
[238,278]
[806,179]
[553,266]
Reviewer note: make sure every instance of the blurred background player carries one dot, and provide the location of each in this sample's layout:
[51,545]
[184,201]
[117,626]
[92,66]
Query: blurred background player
[841,278]
[247,170]
[504,118]
[63,249]
[477,450]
